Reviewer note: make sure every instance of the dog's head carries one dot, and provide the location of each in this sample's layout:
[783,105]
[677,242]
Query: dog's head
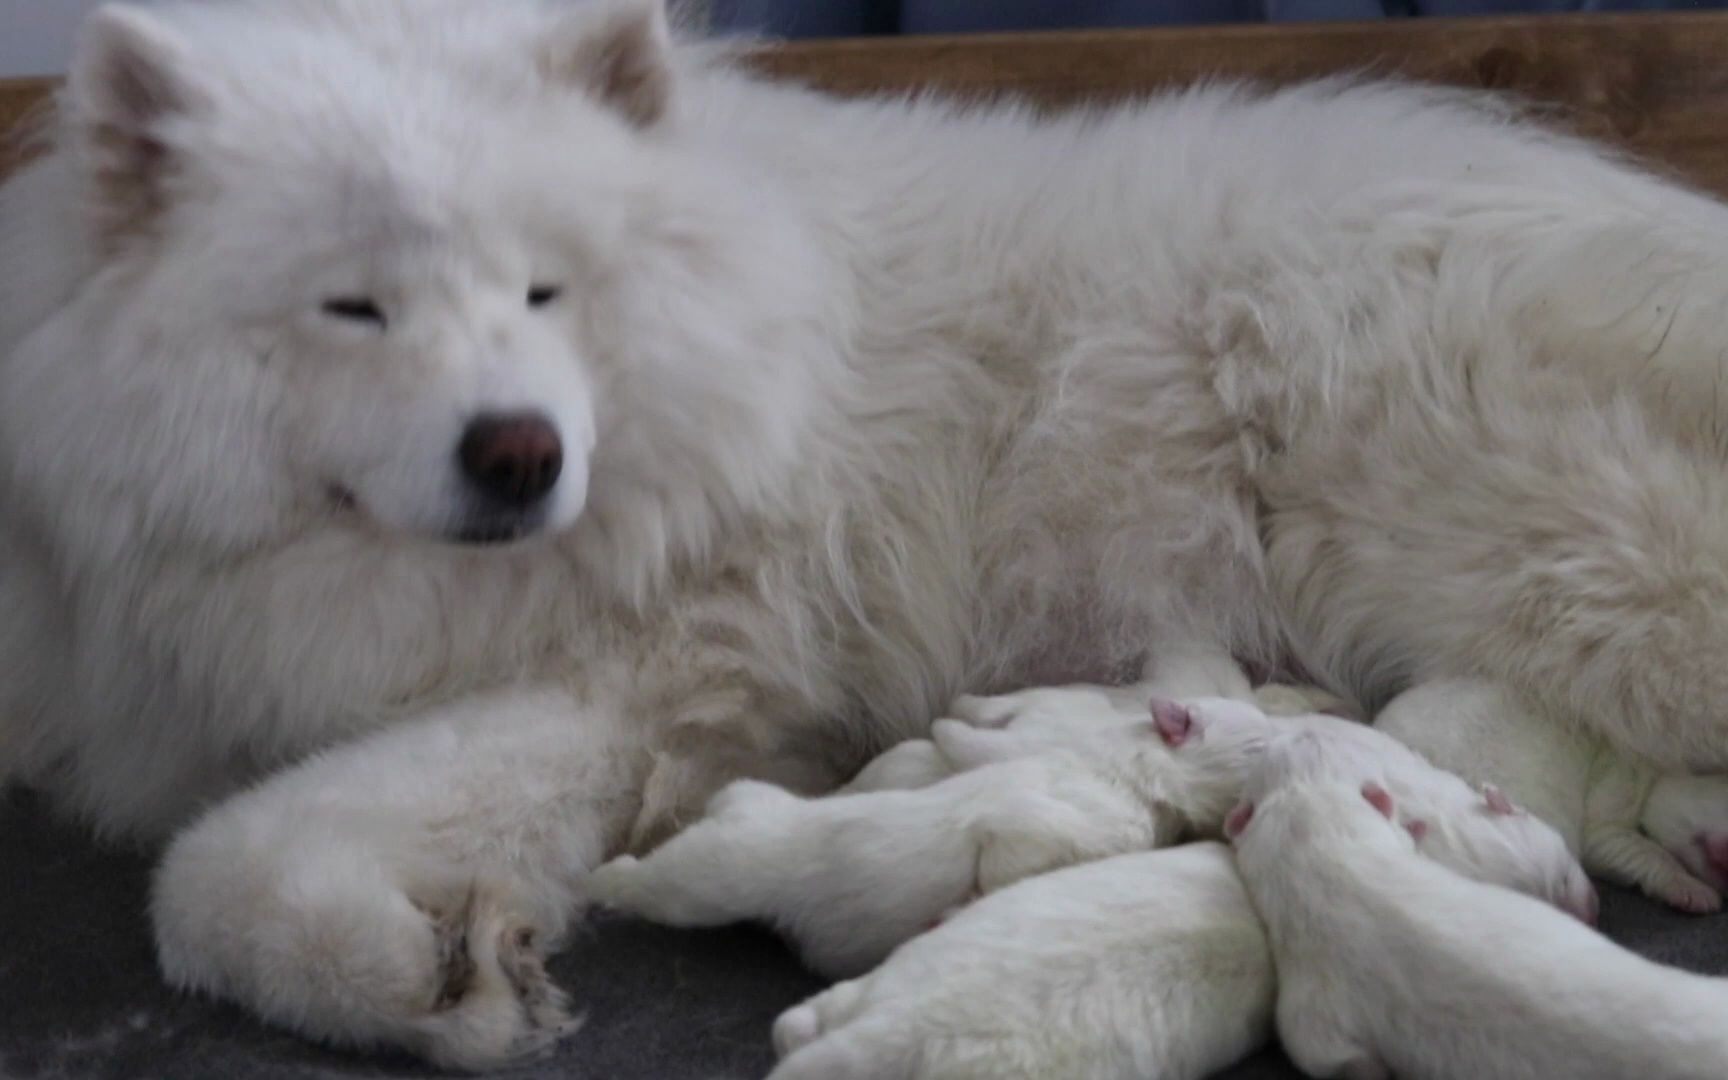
[442,270]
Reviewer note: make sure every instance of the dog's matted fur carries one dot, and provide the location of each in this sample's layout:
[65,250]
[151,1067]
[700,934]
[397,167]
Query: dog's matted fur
[807,414]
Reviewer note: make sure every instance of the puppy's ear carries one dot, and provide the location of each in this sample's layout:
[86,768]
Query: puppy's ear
[617,51]
[1497,801]
[130,86]
[1173,721]
[1379,798]
[1237,819]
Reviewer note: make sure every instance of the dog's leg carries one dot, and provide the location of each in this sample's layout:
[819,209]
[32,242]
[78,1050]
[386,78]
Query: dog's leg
[1554,547]
[401,891]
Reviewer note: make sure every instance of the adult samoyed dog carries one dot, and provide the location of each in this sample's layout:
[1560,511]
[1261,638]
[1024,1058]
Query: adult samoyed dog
[441,441]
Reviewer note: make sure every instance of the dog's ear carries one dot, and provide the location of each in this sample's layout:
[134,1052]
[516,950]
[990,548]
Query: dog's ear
[131,80]
[618,51]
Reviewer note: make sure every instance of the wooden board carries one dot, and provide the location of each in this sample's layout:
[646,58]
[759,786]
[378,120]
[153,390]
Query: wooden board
[1656,83]
[18,97]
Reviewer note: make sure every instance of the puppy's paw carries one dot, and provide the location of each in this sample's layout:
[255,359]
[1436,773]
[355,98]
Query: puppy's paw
[796,1028]
[617,884]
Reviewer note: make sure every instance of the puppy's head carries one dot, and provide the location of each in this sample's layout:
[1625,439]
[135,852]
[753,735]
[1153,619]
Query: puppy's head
[1304,792]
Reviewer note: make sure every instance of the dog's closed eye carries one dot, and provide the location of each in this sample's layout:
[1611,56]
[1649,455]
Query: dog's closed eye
[355,309]
[541,295]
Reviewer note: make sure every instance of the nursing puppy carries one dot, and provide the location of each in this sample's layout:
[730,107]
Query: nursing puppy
[1214,744]
[1481,834]
[1392,965]
[848,877]
[1628,823]
[1143,965]
[1058,713]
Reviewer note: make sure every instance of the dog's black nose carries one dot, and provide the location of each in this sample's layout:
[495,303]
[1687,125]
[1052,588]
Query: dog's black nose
[514,458]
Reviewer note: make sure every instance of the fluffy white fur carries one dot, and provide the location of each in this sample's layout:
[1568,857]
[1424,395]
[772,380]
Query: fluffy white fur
[1148,965]
[1059,715]
[864,405]
[1391,965]
[1665,834]
[1213,746]
[849,877]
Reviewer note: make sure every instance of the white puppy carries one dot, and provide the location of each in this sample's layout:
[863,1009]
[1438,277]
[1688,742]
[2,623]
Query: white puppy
[848,877]
[1210,746]
[1151,964]
[1481,834]
[1389,964]
[1053,716]
[1597,797]
[1057,714]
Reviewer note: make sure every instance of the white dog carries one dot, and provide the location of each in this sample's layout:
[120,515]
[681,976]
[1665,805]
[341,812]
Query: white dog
[1665,834]
[1148,965]
[805,416]
[849,877]
[1392,965]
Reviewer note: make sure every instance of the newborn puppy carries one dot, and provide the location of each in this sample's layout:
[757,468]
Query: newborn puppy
[1055,715]
[1144,965]
[1390,964]
[1047,716]
[1597,798]
[1480,834]
[848,877]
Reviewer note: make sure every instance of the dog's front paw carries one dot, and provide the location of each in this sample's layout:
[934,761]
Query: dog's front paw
[494,1001]
[330,939]
[1683,892]
[1688,816]
[1628,857]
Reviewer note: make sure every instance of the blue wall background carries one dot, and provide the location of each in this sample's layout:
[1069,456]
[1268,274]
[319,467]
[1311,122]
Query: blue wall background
[842,18]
